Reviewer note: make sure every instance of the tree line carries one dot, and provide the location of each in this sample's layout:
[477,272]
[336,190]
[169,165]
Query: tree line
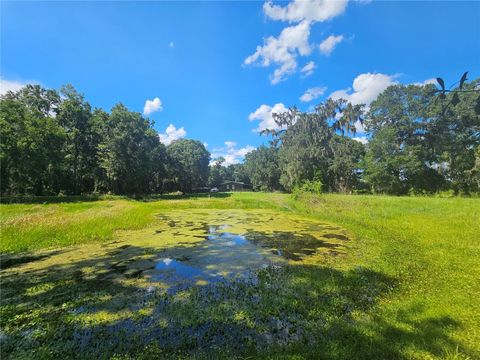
[55,143]
[420,140]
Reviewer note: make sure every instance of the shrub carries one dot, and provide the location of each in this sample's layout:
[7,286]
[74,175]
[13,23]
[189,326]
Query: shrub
[308,186]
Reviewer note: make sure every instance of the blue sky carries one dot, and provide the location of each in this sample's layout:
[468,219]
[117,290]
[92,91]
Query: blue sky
[219,69]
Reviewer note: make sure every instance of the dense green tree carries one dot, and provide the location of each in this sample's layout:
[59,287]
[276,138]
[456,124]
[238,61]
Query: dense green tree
[99,124]
[261,167]
[417,144]
[385,163]
[52,143]
[31,142]
[344,167]
[127,152]
[75,116]
[305,140]
[474,173]
[455,134]
[237,172]
[189,161]
[217,173]
[399,151]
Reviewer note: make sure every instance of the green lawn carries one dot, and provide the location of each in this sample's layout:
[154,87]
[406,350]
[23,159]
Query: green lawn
[407,286]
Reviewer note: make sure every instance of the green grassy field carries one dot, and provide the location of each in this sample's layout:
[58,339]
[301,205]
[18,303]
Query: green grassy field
[407,286]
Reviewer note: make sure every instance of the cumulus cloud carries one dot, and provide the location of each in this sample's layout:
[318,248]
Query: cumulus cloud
[426,82]
[230,144]
[171,134]
[308,69]
[152,106]
[231,153]
[366,87]
[283,51]
[329,44]
[311,10]
[11,85]
[264,114]
[313,93]
[361,139]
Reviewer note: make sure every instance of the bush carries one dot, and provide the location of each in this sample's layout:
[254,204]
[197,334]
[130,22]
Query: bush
[308,186]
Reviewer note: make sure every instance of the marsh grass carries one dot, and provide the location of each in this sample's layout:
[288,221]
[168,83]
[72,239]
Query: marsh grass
[406,288]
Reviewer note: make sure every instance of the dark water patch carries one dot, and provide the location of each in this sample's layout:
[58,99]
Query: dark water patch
[130,268]
[203,227]
[290,245]
[188,243]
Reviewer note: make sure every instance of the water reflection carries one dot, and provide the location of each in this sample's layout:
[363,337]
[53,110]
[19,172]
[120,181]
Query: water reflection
[225,255]
[172,270]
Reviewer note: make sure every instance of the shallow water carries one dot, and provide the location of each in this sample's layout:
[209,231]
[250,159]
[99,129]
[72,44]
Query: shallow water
[198,247]
[228,251]
[193,279]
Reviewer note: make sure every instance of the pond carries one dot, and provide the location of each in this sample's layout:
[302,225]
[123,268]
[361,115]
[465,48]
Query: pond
[197,247]
[200,247]
[194,279]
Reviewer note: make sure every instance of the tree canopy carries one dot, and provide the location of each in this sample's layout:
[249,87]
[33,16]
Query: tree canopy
[54,143]
[416,139]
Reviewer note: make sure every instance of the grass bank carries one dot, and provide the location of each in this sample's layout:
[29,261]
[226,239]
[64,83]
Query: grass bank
[431,246]
[34,226]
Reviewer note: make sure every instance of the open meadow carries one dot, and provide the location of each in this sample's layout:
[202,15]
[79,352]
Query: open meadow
[241,275]
[230,180]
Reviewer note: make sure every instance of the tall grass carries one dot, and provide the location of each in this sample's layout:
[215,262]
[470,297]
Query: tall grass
[431,246]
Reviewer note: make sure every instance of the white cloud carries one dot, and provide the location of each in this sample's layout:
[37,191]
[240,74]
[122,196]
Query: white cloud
[292,42]
[152,106]
[313,93]
[11,85]
[171,44]
[245,150]
[311,10]
[231,153]
[366,88]
[308,69]
[329,44]
[265,115]
[230,144]
[426,82]
[205,144]
[171,134]
[361,139]
[283,51]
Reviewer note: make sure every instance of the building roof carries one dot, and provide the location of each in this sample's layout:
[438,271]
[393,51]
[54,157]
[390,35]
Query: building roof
[232,182]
